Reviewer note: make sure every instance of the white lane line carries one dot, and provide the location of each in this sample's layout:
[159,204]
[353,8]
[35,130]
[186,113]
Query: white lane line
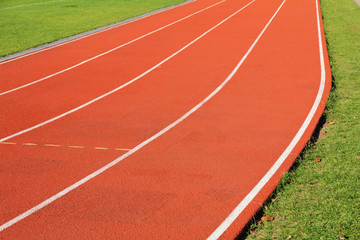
[107,52]
[135,149]
[245,202]
[32,4]
[77,37]
[124,85]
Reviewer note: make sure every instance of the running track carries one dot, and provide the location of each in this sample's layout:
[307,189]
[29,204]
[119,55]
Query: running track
[174,126]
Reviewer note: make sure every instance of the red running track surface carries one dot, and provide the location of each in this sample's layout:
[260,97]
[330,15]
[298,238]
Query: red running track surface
[260,73]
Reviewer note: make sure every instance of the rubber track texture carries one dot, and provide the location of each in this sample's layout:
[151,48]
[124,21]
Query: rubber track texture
[185,183]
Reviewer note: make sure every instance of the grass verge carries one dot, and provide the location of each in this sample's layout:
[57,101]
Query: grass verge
[23,26]
[322,200]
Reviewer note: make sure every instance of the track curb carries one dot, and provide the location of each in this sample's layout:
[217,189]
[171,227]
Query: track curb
[83,34]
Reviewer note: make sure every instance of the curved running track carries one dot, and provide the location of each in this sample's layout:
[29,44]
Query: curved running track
[174,126]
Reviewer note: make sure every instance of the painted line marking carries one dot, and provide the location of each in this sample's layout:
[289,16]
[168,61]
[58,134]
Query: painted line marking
[33,4]
[79,36]
[124,85]
[138,147]
[52,145]
[122,149]
[75,146]
[101,148]
[107,52]
[70,146]
[247,200]
[7,143]
[29,144]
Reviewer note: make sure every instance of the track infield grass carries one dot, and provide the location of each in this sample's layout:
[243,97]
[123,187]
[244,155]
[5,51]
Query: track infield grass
[320,197]
[26,24]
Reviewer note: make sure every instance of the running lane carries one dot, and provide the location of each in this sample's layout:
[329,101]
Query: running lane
[77,86]
[185,183]
[31,67]
[135,113]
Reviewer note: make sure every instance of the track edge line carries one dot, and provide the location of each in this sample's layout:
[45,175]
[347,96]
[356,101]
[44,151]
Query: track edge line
[283,157]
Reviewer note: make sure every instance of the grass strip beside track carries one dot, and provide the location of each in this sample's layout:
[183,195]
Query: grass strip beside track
[34,25]
[319,197]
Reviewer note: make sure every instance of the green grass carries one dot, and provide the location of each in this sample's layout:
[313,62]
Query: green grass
[323,201]
[30,26]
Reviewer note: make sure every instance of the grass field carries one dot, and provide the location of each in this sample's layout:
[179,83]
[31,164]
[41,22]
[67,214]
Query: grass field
[323,199]
[24,26]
